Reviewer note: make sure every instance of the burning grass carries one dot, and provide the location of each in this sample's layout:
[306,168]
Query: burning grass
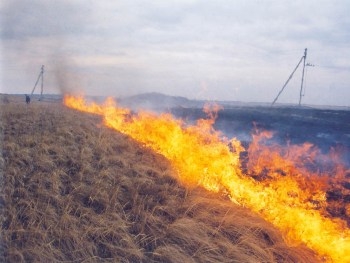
[74,190]
[292,200]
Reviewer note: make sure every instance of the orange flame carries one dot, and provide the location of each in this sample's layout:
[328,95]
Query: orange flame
[202,158]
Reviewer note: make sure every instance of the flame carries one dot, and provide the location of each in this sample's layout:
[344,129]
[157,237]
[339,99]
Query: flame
[203,157]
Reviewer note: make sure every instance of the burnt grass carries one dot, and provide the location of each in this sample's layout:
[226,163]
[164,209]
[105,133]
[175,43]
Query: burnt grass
[326,129]
[73,190]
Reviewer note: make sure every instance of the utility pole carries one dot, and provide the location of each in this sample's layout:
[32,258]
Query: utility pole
[302,59]
[42,81]
[302,78]
[41,76]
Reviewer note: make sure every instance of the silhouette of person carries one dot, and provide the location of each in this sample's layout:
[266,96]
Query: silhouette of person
[27,99]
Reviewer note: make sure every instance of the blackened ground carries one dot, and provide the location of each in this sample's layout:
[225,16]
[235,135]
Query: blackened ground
[324,128]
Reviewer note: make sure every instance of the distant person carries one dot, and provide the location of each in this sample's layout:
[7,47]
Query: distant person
[27,99]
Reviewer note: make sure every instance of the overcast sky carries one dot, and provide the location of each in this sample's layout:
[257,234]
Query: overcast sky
[242,50]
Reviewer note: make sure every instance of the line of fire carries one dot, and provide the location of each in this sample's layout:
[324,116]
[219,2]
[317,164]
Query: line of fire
[300,189]
[286,185]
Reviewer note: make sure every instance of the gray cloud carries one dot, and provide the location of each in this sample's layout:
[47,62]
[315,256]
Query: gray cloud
[241,50]
[23,18]
[37,32]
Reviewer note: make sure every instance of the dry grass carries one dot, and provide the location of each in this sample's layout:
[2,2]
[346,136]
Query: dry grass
[75,191]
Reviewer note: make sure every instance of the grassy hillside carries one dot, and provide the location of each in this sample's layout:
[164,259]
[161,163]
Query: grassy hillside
[74,191]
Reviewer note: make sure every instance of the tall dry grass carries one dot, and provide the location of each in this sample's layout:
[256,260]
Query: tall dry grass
[75,191]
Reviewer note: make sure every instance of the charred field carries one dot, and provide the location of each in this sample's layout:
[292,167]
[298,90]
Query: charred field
[73,190]
[325,128]
[324,131]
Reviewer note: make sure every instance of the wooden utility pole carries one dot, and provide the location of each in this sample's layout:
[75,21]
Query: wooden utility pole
[303,59]
[302,78]
[41,76]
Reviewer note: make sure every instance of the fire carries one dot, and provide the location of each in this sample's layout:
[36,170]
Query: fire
[202,157]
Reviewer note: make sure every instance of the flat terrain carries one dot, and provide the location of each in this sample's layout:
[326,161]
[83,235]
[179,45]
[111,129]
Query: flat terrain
[73,190]
[325,128]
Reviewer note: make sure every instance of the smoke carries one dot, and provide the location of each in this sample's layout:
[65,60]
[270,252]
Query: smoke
[67,79]
[40,32]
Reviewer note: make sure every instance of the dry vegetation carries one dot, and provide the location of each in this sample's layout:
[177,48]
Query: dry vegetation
[75,191]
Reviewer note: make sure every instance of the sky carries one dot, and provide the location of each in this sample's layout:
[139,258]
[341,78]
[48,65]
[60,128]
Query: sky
[238,50]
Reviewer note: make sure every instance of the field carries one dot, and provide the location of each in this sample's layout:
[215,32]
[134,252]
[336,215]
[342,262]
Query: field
[326,130]
[73,190]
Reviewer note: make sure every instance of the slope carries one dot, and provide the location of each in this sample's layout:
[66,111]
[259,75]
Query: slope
[73,190]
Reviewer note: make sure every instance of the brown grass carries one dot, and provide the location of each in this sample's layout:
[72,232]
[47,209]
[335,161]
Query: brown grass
[75,191]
